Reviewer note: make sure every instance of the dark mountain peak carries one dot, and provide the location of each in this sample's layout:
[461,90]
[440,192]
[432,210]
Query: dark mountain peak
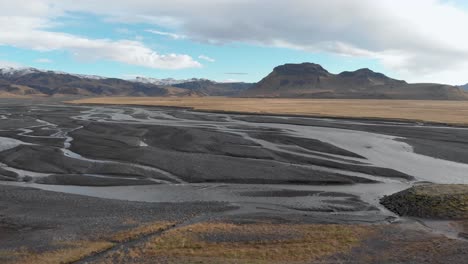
[309,80]
[365,72]
[302,69]
[368,75]
[193,85]
[203,81]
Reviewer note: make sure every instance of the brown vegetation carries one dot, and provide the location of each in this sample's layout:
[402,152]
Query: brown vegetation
[72,251]
[431,201]
[254,243]
[68,252]
[140,231]
[451,112]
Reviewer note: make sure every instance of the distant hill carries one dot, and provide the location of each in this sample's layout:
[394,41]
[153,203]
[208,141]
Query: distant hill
[30,81]
[464,87]
[164,82]
[47,83]
[207,87]
[309,80]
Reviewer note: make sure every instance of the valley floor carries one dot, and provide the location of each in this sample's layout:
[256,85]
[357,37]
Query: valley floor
[136,184]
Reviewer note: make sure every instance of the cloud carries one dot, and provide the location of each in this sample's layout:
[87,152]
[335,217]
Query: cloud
[44,60]
[420,40]
[34,32]
[168,34]
[84,49]
[206,58]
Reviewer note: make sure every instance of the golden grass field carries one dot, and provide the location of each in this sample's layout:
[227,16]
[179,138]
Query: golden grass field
[252,243]
[304,243]
[72,251]
[450,112]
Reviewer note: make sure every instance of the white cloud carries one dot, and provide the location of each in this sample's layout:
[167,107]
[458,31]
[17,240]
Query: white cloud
[206,58]
[44,60]
[33,32]
[125,51]
[421,40]
[418,39]
[167,34]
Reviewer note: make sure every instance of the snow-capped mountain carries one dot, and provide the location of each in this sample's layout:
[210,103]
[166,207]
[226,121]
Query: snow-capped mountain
[32,81]
[18,72]
[166,81]
[10,71]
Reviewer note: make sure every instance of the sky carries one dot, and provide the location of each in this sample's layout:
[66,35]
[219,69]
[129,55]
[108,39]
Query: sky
[237,40]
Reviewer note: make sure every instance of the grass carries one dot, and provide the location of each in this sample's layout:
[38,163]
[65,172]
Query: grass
[140,231]
[70,252]
[442,189]
[431,201]
[450,112]
[284,243]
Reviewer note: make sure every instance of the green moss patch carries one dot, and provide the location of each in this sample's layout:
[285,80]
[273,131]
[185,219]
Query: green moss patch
[430,201]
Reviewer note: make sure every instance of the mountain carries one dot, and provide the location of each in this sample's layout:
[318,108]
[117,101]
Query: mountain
[309,80]
[31,81]
[207,87]
[306,80]
[464,87]
[47,83]
[201,87]
[164,82]
[17,72]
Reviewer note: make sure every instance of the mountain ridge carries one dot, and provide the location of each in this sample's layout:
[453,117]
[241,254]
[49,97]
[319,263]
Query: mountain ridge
[35,82]
[310,80]
[305,80]
[164,81]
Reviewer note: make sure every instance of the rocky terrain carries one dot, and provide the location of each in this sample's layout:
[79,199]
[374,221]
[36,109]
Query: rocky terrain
[309,80]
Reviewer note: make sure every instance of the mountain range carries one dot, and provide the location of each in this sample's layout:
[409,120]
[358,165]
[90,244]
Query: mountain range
[309,80]
[165,81]
[305,80]
[31,81]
